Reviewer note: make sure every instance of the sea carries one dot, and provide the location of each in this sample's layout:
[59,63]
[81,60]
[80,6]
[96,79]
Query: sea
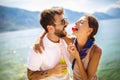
[15,47]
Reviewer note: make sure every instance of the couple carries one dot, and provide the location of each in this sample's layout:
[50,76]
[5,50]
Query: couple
[54,61]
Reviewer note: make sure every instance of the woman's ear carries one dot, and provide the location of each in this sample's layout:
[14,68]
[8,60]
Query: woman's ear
[90,30]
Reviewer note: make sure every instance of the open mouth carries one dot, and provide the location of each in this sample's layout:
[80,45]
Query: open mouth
[65,26]
[64,30]
[74,29]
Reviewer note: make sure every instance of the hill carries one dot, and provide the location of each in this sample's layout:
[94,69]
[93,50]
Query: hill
[12,19]
[115,12]
[16,19]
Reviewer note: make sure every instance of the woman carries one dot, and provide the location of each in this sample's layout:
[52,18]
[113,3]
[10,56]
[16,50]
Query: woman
[85,53]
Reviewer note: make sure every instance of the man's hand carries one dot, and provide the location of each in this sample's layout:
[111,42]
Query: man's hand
[60,68]
[36,75]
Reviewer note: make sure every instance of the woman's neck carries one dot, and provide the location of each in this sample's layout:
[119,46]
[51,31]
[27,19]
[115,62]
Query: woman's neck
[81,42]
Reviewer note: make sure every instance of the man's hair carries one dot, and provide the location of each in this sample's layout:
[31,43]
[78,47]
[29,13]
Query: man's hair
[47,17]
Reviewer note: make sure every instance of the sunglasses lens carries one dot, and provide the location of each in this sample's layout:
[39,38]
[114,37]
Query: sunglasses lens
[63,21]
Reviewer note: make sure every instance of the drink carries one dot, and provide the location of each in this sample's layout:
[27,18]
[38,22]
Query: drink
[62,61]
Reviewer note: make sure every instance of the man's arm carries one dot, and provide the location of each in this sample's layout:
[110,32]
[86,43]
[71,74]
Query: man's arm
[36,75]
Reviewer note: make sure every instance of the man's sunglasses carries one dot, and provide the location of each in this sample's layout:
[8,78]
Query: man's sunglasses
[63,21]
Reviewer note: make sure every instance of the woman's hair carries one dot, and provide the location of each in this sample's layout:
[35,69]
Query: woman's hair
[93,23]
[47,17]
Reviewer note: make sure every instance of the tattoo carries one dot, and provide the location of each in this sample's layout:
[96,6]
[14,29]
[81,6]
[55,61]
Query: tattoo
[38,74]
[43,72]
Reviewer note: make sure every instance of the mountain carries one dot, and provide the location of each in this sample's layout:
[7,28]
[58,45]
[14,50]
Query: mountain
[115,12]
[102,16]
[72,16]
[16,19]
[12,19]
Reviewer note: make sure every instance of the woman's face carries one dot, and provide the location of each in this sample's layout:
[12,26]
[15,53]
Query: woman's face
[82,26]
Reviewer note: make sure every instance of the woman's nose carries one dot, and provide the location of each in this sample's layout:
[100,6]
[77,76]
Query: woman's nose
[76,23]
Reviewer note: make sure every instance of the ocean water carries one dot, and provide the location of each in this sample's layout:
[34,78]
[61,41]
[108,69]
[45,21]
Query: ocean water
[15,46]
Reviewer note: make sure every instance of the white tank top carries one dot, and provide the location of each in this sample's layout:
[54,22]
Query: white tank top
[85,61]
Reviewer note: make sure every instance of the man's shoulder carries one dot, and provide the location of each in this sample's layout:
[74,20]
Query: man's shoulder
[32,53]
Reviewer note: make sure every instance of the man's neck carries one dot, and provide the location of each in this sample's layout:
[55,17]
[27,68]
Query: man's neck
[53,38]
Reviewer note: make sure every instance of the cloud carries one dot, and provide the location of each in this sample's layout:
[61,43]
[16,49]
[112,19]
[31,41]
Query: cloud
[113,5]
[11,1]
[118,2]
[69,4]
[42,4]
[105,8]
[76,5]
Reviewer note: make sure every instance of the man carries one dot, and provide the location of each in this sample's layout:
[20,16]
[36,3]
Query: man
[49,65]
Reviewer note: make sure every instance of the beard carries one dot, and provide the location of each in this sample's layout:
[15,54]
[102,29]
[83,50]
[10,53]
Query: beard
[60,33]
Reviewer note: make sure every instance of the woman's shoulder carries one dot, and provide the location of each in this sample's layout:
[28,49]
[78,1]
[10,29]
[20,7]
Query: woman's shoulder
[96,50]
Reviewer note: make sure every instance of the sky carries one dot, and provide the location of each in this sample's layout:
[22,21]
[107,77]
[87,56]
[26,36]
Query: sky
[89,6]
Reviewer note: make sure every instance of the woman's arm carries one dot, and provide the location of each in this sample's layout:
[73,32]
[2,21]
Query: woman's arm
[73,52]
[94,61]
[68,39]
[92,65]
[39,44]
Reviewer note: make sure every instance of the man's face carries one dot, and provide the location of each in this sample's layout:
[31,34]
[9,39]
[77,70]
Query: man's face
[61,23]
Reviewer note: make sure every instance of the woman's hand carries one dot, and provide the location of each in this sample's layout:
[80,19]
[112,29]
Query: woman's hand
[38,46]
[73,51]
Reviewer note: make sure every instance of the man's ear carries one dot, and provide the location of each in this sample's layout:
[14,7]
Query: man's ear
[50,28]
